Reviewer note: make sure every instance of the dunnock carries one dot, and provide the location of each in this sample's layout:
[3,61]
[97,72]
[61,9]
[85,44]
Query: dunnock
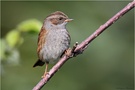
[53,39]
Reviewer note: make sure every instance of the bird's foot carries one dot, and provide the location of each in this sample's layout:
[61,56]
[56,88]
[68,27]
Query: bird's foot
[45,74]
[68,52]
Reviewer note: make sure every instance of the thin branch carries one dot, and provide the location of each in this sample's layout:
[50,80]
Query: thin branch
[78,49]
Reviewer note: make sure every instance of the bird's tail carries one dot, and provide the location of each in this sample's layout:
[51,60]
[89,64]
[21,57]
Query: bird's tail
[39,63]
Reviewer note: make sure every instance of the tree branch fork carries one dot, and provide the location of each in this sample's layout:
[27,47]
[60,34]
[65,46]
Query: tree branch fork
[79,48]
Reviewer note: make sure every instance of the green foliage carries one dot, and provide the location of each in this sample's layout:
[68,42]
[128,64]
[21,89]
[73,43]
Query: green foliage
[13,39]
[30,26]
[3,49]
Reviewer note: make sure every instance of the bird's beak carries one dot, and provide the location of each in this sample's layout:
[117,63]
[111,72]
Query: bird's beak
[68,20]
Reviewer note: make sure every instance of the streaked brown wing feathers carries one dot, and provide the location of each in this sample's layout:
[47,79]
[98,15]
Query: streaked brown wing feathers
[41,39]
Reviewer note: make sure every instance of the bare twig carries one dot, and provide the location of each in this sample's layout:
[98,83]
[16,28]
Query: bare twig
[78,49]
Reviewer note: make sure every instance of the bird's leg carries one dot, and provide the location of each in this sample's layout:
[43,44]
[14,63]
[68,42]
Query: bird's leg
[46,69]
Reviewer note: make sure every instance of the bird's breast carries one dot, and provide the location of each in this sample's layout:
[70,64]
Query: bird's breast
[56,43]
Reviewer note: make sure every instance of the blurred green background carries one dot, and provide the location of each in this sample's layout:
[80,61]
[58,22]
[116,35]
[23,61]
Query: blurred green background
[107,64]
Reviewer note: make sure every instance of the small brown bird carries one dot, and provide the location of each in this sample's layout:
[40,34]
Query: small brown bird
[53,39]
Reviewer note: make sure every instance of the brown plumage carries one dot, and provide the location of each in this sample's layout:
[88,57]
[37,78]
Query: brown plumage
[53,39]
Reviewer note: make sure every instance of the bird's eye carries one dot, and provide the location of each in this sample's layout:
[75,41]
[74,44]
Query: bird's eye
[60,18]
